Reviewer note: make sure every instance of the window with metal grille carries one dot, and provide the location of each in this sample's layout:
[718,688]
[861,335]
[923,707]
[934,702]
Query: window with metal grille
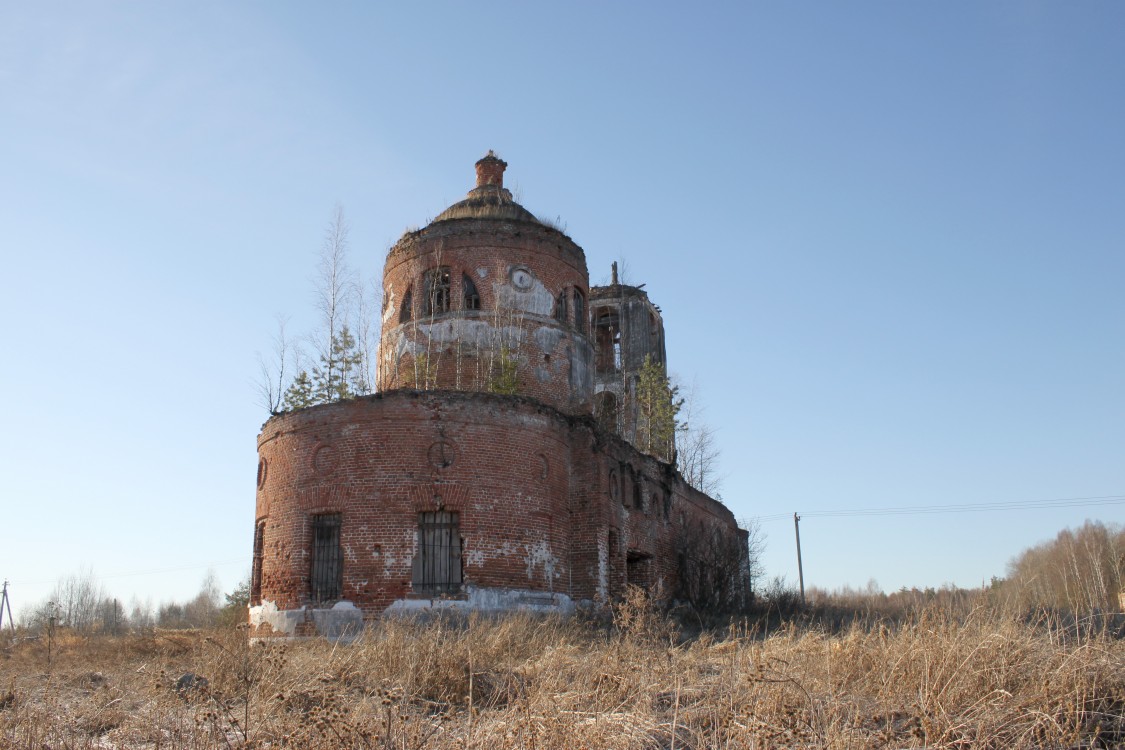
[326,578]
[470,299]
[437,565]
[437,283]
[560,307]
[256,565]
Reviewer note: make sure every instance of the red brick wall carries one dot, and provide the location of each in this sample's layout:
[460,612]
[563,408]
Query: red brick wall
[552,360]
[531,485]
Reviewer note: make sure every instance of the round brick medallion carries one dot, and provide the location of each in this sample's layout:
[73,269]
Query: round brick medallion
[262,467]
[324,459]
[442,454]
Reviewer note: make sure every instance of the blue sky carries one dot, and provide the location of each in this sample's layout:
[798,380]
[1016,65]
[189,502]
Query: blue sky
[886,238]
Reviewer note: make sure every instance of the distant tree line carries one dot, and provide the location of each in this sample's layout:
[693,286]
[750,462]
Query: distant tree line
[1081,570]
[80,603]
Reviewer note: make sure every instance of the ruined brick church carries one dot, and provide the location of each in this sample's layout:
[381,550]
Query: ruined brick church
[498,466]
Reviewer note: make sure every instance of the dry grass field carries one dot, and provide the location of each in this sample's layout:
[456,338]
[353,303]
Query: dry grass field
[975,680]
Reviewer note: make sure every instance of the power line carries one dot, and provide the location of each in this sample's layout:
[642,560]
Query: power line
[913,510]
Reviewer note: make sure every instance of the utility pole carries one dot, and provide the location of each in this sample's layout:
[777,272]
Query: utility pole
[51,631]
[6,605]
[800,569]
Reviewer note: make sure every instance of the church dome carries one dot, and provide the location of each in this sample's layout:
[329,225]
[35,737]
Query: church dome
[489,199]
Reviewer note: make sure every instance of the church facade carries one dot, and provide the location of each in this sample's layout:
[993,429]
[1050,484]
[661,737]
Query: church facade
[498,466]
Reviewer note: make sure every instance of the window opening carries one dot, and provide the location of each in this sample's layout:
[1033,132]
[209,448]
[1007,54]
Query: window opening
[626,485]
[437,565]
[560,307]
[256,566]
[579,310]
[638,494]
[327,558]
[607,410]
[436,281]
[470,299]
[607,341]
[638,569]
[406,313]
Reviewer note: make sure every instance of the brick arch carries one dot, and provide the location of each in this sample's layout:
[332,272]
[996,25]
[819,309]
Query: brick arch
[454,497]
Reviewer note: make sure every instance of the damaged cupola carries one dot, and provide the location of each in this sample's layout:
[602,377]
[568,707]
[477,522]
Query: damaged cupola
[488,298]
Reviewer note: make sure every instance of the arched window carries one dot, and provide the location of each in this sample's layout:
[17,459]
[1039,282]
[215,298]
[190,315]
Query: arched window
[579,310]
[560,307]
[607,340]
[406,312]
[436,282]
[470,299]
[606,403]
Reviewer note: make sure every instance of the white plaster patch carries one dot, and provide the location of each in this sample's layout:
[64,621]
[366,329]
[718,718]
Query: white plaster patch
[537,300]
[547,338]
[479,333]
[482,599]
[343,621]
[482,272]
[603,571]
[540,554]
[392,306]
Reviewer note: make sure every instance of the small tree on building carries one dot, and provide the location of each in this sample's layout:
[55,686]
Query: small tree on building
[657,406]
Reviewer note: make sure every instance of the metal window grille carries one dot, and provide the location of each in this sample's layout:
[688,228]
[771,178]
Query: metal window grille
[579,311]
[327,558]
[437,566]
